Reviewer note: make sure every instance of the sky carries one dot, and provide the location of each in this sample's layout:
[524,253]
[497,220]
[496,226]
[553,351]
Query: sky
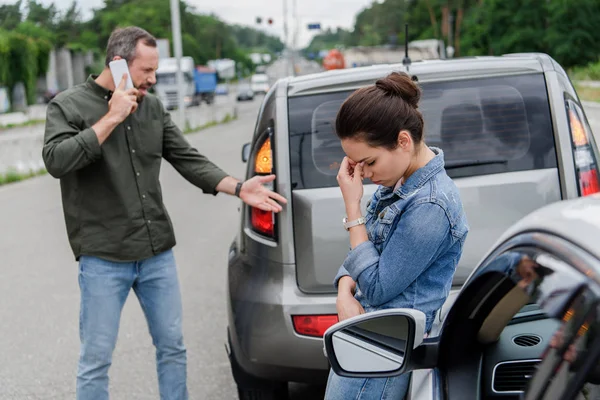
[329,13]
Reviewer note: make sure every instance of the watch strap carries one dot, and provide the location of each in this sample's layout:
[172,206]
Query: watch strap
[356,222]
[238,189]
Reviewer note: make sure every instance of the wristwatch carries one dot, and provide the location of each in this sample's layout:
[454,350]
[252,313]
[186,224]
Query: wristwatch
[356,222]
[238,189]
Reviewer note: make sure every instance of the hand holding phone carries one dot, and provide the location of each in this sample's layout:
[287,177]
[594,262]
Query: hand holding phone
[124,99]
[118,68]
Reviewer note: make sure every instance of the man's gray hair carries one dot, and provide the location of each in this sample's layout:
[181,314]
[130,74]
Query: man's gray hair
[122,42]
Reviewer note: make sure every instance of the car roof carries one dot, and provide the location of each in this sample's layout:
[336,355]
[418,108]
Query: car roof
[577,221]
[426,70]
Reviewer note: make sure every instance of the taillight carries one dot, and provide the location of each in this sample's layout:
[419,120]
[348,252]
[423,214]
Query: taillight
[585,161]
[263,163]
[261,221]
[313,325]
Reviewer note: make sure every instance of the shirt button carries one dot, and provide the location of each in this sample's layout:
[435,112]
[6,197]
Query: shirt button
[133,150]
[143,196]
[128,127]
[137,173]
[149,222]
[105,97]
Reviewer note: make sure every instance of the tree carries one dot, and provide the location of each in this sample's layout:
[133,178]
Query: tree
[69,26]
[572,35]
[40,15]
[328,40]
[10,16]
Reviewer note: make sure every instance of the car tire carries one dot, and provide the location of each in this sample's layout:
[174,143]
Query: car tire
[253,388]
[263,393]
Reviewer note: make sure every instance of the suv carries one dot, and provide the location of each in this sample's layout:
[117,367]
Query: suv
[515,138]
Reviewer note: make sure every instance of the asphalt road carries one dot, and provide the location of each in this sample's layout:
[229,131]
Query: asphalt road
[39,294]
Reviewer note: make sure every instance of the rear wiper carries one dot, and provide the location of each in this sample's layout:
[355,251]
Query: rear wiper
[473,163]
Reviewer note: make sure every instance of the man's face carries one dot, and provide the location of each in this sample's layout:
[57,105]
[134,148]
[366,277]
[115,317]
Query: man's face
[143,68]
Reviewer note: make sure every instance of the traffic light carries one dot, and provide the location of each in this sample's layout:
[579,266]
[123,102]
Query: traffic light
[270,21]
[259,20]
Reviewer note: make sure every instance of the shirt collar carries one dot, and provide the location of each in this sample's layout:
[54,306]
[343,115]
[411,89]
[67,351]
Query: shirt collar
[97,89]
[419,177]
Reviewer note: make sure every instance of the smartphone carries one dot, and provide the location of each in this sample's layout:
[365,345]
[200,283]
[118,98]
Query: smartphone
[117,69]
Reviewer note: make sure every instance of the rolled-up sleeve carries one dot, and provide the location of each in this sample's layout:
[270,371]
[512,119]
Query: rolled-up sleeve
[66,148]
[193,166]
[341,273]
[421,233]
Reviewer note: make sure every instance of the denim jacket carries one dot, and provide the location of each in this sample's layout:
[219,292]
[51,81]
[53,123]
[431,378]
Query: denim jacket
[416,236]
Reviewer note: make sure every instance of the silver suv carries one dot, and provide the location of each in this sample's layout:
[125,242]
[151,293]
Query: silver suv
[515,138]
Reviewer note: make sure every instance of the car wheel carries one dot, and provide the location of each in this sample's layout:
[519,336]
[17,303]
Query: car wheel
[264,393]
[253,388]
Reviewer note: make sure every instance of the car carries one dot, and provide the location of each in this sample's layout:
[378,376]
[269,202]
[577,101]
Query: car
[222,89]
[245,92]
[525,325]
[515,138]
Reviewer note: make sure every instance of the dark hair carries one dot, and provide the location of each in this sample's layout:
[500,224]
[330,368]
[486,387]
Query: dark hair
[123,41]
[377,113]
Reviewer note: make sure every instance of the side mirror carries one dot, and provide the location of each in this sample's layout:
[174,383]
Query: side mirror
[374,345]
[246,152]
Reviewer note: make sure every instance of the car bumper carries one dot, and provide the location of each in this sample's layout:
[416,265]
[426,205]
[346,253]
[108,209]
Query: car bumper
[262,298]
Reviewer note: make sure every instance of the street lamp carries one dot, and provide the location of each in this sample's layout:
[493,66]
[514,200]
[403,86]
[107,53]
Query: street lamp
[176,30]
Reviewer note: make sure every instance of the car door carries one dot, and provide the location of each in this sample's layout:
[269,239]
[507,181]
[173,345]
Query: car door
[525,326]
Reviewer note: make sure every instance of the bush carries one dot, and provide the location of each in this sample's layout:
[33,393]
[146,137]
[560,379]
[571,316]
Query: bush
[590,72]
[12,176]
[23,59]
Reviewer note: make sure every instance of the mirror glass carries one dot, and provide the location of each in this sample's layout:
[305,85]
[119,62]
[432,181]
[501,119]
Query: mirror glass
[246,152]
[375,345]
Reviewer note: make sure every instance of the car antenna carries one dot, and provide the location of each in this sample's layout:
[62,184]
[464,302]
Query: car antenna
[406,62]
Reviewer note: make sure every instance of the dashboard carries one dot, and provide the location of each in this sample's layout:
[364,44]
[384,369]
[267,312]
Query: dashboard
[509,363]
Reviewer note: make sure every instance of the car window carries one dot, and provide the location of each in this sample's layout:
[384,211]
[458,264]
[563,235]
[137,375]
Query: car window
[528,321]
[485,126]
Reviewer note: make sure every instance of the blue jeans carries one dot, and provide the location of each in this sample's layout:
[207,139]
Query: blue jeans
[104,288]
[341,388]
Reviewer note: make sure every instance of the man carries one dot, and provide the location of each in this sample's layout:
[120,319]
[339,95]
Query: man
[106,145]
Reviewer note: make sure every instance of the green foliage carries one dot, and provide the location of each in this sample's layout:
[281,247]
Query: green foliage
[12,176]
[329,39]
[22,59]
[204,37]
[41,16]
[567,30]
[590,72]
[10,15]
[573,35]
[252,39]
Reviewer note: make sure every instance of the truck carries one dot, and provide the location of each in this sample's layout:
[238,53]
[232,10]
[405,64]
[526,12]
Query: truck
[199,82]
[259,83]
[205,79]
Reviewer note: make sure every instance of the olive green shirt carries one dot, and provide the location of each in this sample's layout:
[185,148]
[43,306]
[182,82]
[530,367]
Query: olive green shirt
[111,194]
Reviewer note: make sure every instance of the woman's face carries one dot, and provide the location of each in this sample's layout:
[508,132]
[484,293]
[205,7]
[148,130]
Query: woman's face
[382,166]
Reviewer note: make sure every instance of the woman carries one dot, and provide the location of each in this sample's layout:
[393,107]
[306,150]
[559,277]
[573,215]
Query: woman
[405,250]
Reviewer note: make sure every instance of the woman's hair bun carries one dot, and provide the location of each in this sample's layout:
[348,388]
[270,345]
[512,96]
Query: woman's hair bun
[401,85]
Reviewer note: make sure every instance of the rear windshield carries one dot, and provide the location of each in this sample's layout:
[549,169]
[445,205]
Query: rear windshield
[485,126]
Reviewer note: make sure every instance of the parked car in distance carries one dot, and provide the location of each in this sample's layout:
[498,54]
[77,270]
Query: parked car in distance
[526,324]
[244,92]
[515,138]
[222,89]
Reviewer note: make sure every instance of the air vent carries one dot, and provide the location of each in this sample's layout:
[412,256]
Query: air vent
[527,340]
[513,376]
